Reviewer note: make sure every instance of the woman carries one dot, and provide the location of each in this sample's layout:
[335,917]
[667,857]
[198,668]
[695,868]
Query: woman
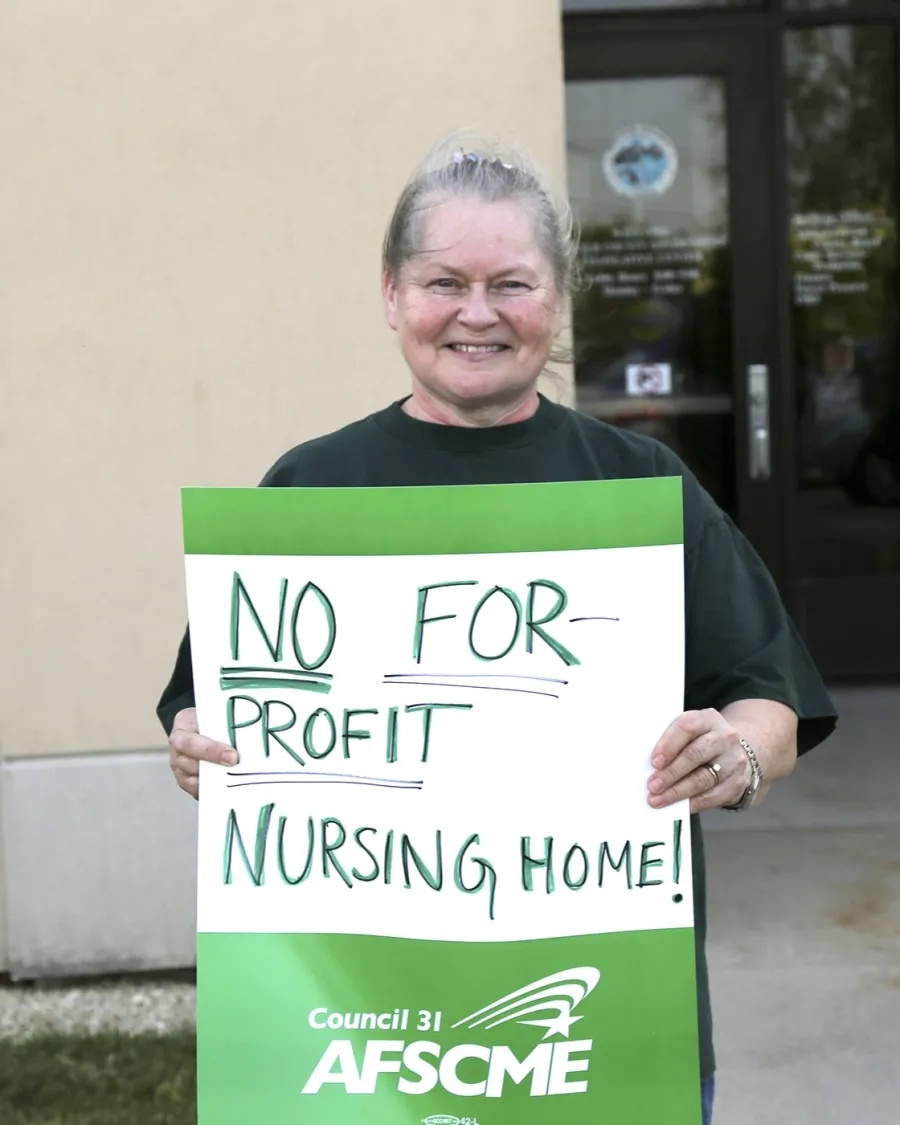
[478,260]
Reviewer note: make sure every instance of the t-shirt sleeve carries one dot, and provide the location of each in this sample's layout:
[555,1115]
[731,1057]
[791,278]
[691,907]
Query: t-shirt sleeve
[740,640]
[179,692]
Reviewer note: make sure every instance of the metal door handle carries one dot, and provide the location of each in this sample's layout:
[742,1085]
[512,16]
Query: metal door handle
[758,421]
[760,467]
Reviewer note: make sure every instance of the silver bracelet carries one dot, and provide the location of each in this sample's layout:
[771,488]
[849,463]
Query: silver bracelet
[756,780]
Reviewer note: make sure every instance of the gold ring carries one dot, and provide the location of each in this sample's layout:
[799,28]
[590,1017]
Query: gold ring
[715,772]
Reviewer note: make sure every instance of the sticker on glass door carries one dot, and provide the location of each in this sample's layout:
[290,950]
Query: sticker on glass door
[641,161]
[643,379]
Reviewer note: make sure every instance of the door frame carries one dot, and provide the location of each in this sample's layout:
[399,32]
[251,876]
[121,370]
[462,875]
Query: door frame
[738,50]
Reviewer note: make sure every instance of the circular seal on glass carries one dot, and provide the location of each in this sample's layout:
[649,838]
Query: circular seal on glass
[641,161]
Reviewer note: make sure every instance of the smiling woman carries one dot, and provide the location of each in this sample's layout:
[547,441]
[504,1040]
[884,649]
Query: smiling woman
[477,264]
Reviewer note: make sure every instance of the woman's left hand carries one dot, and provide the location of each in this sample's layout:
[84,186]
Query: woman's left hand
[685,760]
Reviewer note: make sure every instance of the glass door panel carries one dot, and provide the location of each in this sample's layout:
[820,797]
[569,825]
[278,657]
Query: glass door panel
[641,5]
[842,166]
[648,179]
[676,321]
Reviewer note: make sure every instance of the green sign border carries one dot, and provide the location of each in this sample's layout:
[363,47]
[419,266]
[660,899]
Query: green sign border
[446,520]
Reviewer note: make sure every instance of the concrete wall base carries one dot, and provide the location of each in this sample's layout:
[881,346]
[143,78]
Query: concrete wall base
[99,857]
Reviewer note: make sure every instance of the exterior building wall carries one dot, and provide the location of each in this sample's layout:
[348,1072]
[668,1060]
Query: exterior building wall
[193,203]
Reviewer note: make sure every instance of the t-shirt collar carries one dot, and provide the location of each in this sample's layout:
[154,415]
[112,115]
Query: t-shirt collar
[472,439]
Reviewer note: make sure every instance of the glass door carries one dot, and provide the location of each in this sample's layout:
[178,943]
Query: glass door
[669,138]
[841,130]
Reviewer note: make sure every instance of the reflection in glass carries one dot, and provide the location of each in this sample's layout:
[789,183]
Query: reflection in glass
[632,5]
[841,129]
[652,317]
[819,5]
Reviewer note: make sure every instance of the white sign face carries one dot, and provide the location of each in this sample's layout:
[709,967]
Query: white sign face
[645,379]
[381,704]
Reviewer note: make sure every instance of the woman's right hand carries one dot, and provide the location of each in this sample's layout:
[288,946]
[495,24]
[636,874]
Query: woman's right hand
[188,748]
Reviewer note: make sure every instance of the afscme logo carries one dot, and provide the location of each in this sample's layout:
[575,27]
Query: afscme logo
[549,1066]
[424,1064]
[560,993]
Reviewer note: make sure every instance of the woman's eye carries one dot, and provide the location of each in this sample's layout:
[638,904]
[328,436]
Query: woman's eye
[513,286]
[448,284]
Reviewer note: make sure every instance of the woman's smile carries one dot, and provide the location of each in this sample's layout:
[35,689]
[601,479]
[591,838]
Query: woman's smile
[475,353]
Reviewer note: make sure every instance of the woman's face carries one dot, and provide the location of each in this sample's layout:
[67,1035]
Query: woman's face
[478,309]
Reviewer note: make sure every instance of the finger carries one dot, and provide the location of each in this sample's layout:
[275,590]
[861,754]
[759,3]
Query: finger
[190,784]
[681,733]
[715,797]
[201,749]
[186,719]
[734,779]
[701,784]
[190,767]
[703,750]
[698,786]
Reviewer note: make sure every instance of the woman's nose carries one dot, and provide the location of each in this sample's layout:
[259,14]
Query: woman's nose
[477,311]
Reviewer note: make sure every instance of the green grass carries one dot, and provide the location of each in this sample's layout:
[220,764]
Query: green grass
[99,1080]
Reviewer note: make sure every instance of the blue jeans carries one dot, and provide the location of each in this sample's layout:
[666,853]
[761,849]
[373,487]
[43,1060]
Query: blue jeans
[707,1093]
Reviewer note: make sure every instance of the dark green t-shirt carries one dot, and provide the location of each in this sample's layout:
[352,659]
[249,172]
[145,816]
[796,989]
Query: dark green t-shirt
[740,643]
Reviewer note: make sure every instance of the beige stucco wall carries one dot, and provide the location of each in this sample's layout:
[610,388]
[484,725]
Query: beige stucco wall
[192,202]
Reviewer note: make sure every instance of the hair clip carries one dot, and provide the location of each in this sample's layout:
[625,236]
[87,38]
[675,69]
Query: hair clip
[473,158]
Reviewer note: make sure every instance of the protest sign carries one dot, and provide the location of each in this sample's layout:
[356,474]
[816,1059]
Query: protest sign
[432,889]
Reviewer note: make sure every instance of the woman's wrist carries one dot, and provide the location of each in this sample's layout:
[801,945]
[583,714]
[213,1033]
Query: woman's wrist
[770,728]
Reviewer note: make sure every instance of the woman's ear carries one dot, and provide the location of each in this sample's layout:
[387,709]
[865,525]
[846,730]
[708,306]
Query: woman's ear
[389,292]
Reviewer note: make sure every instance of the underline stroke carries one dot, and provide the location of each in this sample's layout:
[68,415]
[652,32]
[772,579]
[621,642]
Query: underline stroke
[318,778]
[471,676]
[277,670]
[226,683]
[468,687]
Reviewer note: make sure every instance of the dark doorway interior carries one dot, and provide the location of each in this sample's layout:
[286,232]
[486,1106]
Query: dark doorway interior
[734,170]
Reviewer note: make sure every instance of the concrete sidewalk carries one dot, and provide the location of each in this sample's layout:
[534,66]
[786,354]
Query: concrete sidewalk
[804,942]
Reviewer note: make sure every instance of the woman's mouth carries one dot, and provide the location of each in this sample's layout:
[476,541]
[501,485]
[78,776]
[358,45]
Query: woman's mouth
[478,349]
